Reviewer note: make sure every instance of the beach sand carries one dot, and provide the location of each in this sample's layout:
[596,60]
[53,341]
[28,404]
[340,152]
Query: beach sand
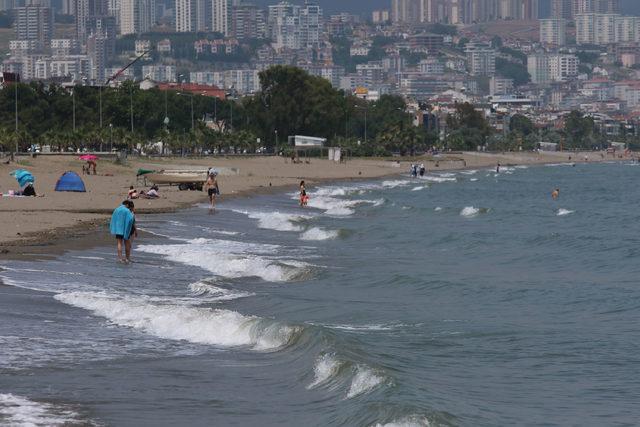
[29,223]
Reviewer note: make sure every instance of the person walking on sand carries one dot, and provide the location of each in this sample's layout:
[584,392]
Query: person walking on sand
[212,188]
[122,227]
[555,194]
[304,199]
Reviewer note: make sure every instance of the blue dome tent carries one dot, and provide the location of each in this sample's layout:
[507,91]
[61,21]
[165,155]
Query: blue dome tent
[70,181]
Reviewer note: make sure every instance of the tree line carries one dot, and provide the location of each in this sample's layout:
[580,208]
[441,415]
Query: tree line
[290,102]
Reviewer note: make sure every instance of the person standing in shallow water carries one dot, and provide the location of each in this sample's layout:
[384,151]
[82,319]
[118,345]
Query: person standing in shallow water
[122,226]
[304,199]
[212,188]
[555,194]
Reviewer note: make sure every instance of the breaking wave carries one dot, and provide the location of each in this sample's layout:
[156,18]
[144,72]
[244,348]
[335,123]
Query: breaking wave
[317,233]
[230,259]
[20,411]
[223,328]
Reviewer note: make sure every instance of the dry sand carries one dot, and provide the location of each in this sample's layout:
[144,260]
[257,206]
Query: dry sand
[29,222]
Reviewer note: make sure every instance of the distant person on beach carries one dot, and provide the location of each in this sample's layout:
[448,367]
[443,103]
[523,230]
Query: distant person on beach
[133,193]
[122,226]
[304,199]
[422,169]
[555,194]
[151,194]
[212,188]
[498,168]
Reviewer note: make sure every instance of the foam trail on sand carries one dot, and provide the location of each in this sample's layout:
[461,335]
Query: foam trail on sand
[317,233]
[364,380]
[326,367]
[20,411]
[563,212]
[469,212]
[176,322]
[229,259]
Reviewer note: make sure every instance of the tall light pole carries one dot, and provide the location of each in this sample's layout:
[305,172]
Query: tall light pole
[366,109]
[131,104]
[100,97]
[111,138]
[73,101]
[15,84]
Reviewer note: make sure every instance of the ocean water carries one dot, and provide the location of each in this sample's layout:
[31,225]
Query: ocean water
[465,298]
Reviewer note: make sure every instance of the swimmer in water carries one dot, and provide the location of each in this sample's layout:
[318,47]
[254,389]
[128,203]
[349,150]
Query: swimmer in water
[555,194]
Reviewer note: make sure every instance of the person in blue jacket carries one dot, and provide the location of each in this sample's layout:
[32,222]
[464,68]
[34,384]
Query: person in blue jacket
[123,227]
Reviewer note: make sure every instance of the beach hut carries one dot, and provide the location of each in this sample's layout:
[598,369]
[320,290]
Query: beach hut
[70,181]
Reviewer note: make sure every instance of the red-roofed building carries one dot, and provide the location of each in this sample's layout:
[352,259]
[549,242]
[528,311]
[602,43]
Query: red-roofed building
[196,89]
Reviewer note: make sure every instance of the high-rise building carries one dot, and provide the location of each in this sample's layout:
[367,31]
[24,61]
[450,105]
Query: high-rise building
[546,68]
[68,7]
[34,23]
[310,25]
[221,16]
[185,16]
[562,9]
[284,26]
[248,22]
[553,32]
[481,59]
[137,16]
[596,28]
[85,9]
[405,11]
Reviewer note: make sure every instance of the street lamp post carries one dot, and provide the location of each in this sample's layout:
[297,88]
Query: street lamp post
[366,109]
[73,100]
[100,96]
[111,137]
[131,104]
[15,85]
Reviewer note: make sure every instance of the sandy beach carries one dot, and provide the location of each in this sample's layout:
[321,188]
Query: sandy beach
[29,223]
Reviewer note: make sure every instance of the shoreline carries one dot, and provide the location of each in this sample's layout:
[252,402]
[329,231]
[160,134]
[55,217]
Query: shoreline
[92,231]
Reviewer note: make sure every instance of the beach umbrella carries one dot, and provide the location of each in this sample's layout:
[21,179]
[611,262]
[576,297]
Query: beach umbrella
[89,157]
[23,177]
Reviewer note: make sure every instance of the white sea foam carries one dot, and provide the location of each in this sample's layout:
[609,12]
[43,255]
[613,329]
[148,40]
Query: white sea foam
[438,179]
[395,183]
[177,322]
[317,233]
[20,411]
[278,221]
[339,207]
[216,293]
[469,211]
[447,175]
[96,258]
[326,367]
[473,179]
[563,212]
[410,421]
[469,172]
[420,188]
[438,209]
[364,380]
[228,259]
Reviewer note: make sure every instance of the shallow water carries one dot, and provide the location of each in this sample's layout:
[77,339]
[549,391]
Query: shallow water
[465,298]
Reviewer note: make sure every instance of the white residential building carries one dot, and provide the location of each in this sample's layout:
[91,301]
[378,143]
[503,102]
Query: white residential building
[185,16]
[136,16]
[606,28]
[481,59]
[160,73]
[221,16]
[545,68]
[553,31]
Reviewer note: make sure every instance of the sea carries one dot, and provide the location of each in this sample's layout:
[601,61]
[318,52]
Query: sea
[466,298]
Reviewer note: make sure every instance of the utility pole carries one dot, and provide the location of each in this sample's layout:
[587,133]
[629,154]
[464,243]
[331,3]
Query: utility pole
[73,100]
[15,84]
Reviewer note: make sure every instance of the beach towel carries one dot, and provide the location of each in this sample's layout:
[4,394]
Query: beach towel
[122,222]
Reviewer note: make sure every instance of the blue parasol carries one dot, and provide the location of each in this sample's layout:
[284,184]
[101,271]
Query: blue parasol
[23,177]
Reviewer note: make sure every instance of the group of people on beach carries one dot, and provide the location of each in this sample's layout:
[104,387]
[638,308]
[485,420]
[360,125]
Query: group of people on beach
[417,170]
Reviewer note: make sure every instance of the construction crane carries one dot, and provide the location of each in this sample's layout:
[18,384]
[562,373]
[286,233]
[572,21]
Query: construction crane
[122,70]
